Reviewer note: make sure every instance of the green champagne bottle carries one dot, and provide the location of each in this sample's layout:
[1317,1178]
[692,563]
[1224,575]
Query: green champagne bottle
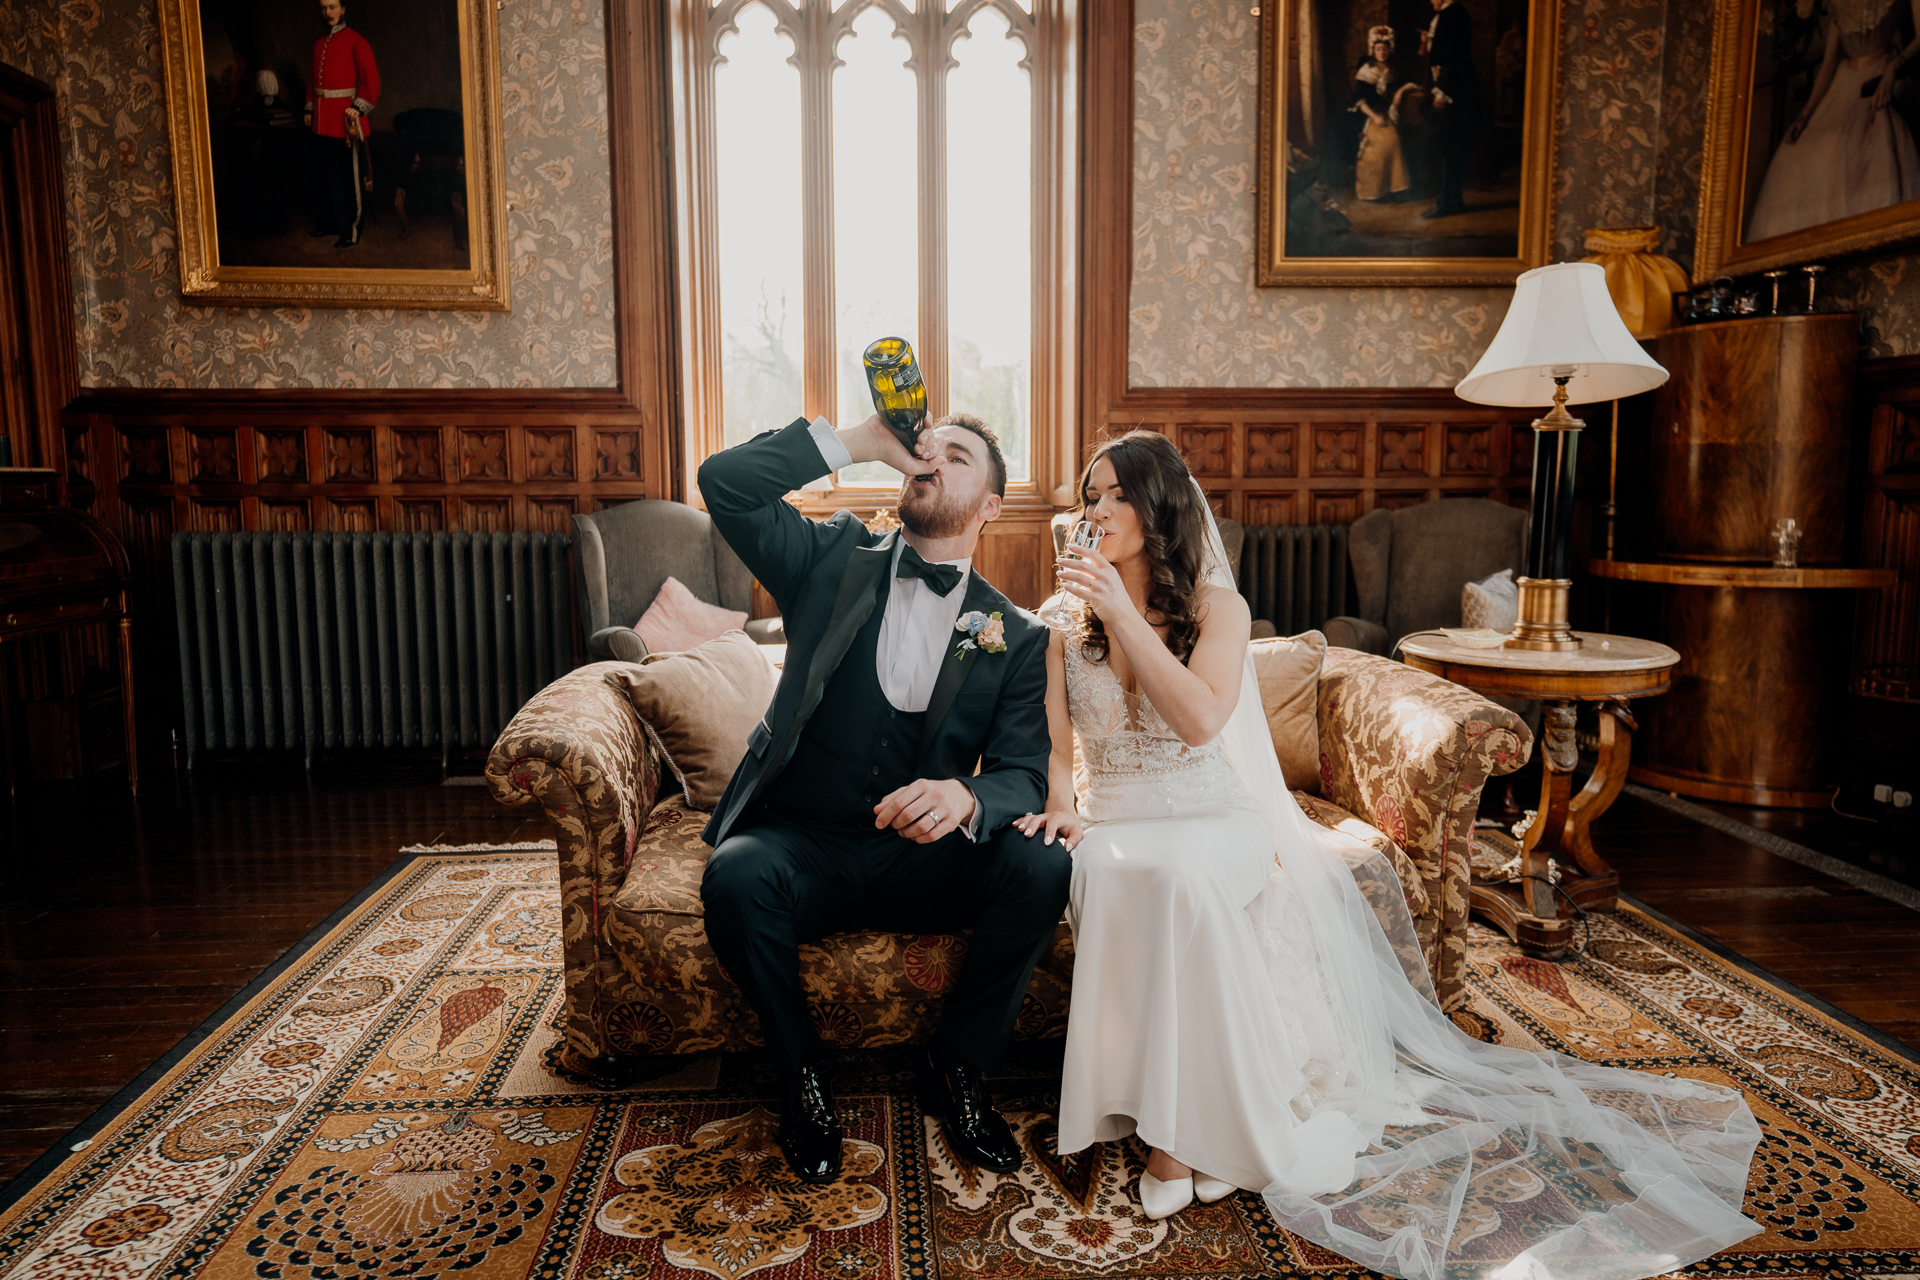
[898,392]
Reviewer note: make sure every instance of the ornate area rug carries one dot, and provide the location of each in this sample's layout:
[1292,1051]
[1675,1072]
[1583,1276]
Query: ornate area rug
[386,1106]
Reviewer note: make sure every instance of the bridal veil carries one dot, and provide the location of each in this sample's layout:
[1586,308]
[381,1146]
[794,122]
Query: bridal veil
[1623,1175]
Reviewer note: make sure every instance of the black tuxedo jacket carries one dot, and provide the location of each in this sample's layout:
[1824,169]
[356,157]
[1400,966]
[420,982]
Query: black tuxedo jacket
[987,708]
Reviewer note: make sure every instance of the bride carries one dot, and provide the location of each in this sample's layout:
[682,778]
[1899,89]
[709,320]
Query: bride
[1239,1006]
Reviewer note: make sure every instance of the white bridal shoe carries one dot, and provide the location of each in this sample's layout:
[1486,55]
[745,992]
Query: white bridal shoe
[1206,1190]
[1164,1199]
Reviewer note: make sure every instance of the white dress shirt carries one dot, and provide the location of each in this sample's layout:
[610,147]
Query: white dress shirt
[917,630]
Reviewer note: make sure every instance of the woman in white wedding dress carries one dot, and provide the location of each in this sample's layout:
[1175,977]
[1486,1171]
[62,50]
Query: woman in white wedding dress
[1239,1006]
[1848,151]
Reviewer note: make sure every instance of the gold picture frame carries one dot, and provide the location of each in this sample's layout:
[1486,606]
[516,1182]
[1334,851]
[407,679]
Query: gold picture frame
[1730,178]
[1300,71]
[470,38]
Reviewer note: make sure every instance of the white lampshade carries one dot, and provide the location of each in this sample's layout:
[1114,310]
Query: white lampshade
[1562,319]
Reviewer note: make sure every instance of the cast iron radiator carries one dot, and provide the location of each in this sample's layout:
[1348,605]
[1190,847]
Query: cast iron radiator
[353,641]
[1294,575]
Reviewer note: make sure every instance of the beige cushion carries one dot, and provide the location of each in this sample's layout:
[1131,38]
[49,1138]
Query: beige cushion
[699,707]
[678,620]
[1493,602]
[1289,673]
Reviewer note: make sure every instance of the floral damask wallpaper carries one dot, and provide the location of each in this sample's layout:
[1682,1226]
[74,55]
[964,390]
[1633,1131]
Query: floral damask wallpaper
[103,57]
[1632,104]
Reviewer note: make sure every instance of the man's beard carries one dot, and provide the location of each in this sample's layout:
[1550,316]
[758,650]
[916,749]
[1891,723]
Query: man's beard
[933,515]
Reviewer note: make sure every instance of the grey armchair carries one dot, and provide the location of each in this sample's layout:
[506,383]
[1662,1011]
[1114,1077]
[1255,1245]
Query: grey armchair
[622,555]
[1410,564]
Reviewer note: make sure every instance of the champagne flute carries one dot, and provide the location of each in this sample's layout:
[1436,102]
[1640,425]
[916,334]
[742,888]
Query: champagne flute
[1061,615]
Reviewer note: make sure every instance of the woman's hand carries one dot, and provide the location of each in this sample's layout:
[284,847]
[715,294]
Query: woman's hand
[1088,575]
[1064,823]
[1799,125]
[1883,94]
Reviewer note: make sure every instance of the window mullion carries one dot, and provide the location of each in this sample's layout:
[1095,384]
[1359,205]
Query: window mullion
[933,38]
[1055,219]
[814,51]
[695,36]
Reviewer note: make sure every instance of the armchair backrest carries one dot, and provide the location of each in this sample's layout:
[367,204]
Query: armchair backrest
[1409,564]
[622,555]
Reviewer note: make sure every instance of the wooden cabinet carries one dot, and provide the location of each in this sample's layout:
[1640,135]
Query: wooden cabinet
[66,686]
[1753,425]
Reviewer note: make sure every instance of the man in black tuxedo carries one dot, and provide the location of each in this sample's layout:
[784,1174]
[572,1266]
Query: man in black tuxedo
[1455,97]
[857,804]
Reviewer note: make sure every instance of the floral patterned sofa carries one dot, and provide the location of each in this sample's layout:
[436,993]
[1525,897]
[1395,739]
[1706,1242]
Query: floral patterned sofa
[1403,758]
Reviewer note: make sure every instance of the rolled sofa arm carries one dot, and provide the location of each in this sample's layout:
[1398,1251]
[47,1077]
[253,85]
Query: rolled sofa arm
[1357,634]
[622,644]
[1409,752]
[577,750]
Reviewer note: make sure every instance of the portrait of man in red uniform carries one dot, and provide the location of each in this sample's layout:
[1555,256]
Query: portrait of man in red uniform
[341,93]
[317,160]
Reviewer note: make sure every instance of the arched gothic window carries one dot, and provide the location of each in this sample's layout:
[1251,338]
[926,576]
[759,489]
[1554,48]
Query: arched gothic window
[853,169]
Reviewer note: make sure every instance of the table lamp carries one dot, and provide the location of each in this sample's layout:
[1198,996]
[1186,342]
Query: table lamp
[1562,340]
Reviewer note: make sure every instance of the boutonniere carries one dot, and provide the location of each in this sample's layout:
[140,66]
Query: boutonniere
[984,631]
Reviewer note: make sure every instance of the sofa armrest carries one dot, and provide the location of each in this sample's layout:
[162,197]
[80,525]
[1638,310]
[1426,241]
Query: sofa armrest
[578,751]
[621,644]
[1409,752]
[767,630]
[1357,634]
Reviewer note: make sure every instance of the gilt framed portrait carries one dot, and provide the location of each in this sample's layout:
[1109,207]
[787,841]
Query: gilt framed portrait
[1810,148]
[1405,142]
[337,153]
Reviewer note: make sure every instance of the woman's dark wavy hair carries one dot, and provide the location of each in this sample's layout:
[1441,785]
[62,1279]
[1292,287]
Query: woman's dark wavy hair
[1153,478]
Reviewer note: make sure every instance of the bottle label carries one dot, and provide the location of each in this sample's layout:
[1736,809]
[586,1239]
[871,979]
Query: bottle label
[906,376]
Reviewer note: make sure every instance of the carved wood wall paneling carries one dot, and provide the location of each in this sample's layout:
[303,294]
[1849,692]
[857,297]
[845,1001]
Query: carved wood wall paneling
[478,476]
[1887,635]
[1310,456]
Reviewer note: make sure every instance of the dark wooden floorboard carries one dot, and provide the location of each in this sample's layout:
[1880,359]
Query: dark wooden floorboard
[124,925]
[1858,952]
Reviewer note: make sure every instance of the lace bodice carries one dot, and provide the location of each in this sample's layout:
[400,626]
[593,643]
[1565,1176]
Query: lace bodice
[1137,767]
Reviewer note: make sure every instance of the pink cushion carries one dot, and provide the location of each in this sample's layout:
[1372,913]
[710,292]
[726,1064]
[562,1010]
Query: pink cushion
[678,620]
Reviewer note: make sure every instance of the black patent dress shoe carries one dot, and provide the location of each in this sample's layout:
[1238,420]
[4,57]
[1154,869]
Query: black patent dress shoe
[954,1091]
[809,1131]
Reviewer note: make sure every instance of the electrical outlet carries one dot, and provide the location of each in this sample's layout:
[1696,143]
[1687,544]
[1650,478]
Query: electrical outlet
[1901,799]
[1882,793]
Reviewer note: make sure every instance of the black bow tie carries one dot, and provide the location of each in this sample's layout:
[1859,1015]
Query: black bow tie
[943,578]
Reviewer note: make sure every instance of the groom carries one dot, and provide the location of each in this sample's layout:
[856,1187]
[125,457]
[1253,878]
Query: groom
[858,804]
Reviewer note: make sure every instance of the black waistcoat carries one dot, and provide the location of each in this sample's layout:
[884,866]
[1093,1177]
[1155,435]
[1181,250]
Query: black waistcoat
[856,747]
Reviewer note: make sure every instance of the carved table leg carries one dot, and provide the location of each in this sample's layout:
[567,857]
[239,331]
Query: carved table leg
[1599,887]
[1529,911]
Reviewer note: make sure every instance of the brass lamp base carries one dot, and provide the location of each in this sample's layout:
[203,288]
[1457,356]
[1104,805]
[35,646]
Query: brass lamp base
[1543,616]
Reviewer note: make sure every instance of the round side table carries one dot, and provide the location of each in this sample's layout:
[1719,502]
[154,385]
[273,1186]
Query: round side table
[1606,670]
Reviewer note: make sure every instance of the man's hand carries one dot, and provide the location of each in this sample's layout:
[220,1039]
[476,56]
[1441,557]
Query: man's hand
[874,441]
[924,811]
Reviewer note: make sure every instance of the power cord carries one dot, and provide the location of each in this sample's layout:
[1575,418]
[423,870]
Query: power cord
[1833,803]
[1579,913]
[1414,635]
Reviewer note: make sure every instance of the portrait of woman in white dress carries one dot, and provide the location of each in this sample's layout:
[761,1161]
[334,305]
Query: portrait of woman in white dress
[1238,1005]
[1848,151]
